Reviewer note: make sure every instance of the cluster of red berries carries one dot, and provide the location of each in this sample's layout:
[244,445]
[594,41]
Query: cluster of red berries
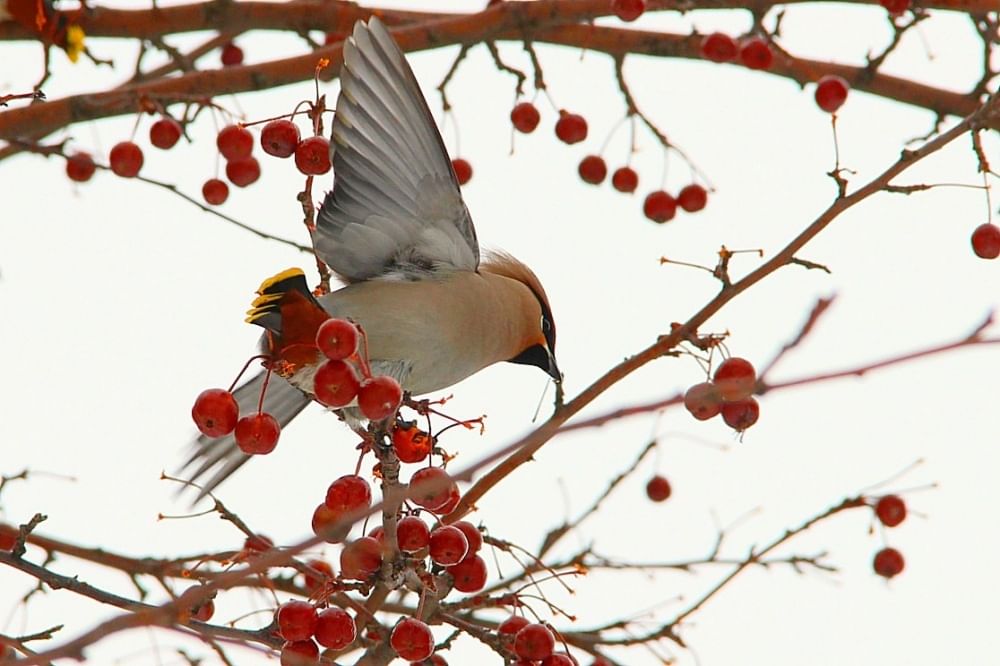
[281,138]
[216,412]
[531,643]
[753,52]
[337,384]
[453,547]
[728,393]
[890,511]
[302,626]
[126,157]
[658,206]
[570,128]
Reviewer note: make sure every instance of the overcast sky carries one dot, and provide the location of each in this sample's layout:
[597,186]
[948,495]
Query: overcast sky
[121,302]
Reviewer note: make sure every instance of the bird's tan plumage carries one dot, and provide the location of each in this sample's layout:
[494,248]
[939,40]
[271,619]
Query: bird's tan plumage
[396,229]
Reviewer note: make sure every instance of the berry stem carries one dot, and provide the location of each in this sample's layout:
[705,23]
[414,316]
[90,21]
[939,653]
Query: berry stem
[263,390]
[265,357]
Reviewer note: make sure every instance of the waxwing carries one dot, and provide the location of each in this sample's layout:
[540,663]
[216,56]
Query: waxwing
[396,231]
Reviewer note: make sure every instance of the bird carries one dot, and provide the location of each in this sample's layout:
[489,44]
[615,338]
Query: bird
[397,232]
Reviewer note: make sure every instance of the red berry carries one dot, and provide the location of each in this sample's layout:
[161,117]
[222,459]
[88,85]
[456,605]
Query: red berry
[472,535]
[337,339]
[891,510]
[703,401]
[244,172]
[322,520]
[257,543]
[463,170]
[719,47]
[571,127]
[469,575]
[204,612]
[215,191]
[215,412]
[164,133]
[449,504]
[895,7]
[986,241]
[312,156]
[831,92]
[512,625]
[448,545]
[692,198]
[335,629]
[336,384]
[740,414]
[299,653]
[231,55]
[628,10]
[412,534]
[658,489]
[888,562]
[559,659]
[280,138]
[257,434]
[126,159]
[736,378]
[80,166]
[412,639]
[296,620]
[377,533]
[659,206]
[379,397]
[625,179]
[525,117]
[592,169]
[534,642]
[755,53]
[325,571]
[433,486]
[234,142]
[349,493]
[410,443]
[360,559]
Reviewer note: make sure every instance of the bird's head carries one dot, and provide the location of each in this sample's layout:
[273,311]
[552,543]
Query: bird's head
[539,346]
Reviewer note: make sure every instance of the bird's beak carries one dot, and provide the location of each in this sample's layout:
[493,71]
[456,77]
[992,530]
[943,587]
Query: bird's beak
[553,369]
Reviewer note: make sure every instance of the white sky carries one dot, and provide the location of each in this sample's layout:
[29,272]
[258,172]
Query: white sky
[122,302]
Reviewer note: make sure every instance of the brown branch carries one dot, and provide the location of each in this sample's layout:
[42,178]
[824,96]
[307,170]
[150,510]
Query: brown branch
[525,448]
[545,20]
[765,387]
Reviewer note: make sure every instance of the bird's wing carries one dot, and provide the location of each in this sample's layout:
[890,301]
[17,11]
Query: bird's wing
[395,208]
[217,458]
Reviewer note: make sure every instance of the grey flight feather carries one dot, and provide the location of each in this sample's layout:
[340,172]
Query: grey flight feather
[219,456]
[395,209]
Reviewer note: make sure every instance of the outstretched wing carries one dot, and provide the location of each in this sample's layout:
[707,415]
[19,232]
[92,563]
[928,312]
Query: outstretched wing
[395,208]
